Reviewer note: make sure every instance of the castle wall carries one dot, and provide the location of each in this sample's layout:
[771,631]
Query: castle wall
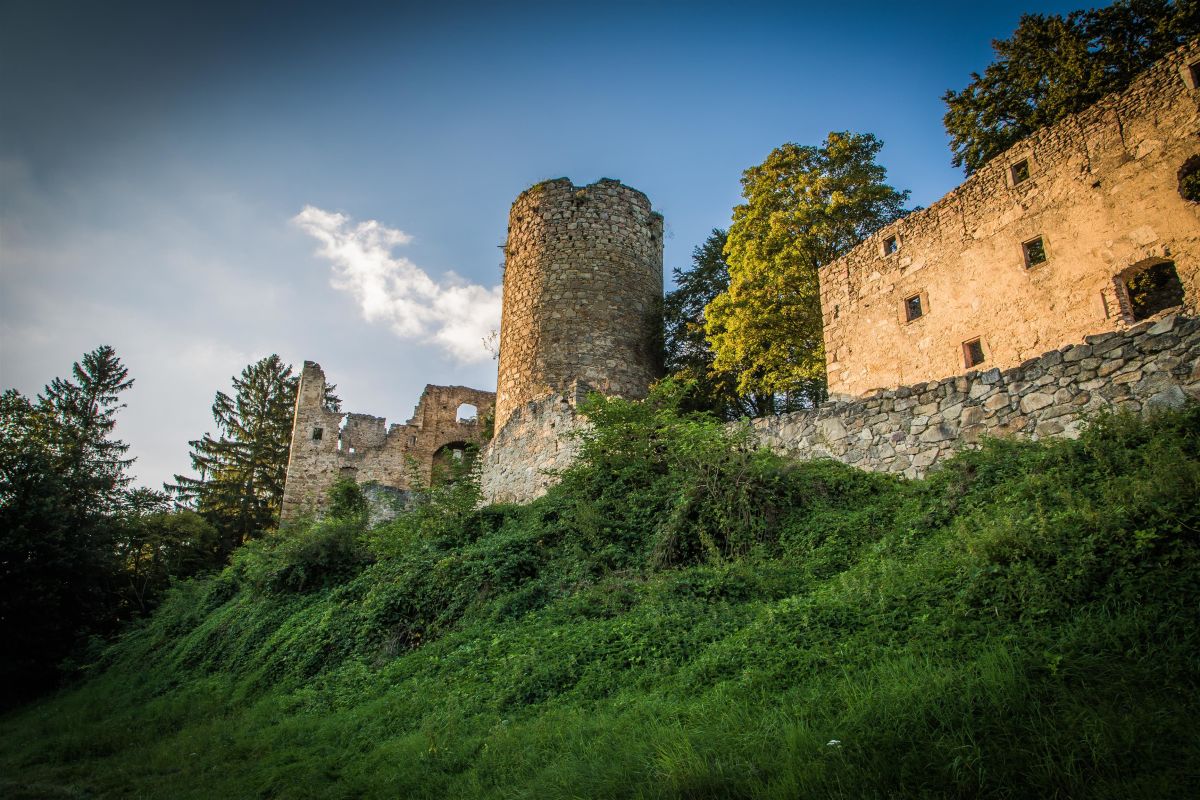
[1102,192]
[537,441]
[910,429]
[583,281]
[328,445]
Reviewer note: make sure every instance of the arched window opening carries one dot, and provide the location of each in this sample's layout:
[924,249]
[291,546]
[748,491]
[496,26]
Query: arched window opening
[1152,289]
[1189,180]
[451,462]
[466,413]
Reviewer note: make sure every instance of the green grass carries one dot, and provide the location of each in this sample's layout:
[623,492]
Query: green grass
[1024,623]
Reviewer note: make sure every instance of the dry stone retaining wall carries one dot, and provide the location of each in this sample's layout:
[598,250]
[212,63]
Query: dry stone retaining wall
[910,429]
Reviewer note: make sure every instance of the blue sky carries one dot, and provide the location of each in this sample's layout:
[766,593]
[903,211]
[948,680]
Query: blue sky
[203,184]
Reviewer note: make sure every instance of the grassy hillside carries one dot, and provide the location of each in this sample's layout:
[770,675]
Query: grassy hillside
[682,617]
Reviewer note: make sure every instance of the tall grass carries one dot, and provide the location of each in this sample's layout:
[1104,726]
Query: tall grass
[683,617]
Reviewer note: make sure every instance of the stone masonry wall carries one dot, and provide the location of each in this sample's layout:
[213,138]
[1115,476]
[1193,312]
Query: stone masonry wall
[1103,194]
[327,445]
[910,429]
[536,440]
[583,280]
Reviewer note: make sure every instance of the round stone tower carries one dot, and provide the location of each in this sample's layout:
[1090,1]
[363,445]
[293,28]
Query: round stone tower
[583,282]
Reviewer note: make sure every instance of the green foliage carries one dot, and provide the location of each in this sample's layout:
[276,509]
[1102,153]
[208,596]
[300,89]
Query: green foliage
[805,206]
[1021,624]
[689,358]
[62,479]
[156,545]
[347,501]
[303,558]
[1053,66]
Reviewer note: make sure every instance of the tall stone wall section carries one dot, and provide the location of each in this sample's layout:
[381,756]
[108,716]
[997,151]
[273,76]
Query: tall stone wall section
[328,445]
[583,280]
[1155,364]
[538,441]
[1102,192]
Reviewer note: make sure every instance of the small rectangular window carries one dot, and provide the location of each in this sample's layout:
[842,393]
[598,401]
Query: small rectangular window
[1020,171]
[890,245]
[317,432]
[1035,252]
[912,308]
[973,353]
[1194,69]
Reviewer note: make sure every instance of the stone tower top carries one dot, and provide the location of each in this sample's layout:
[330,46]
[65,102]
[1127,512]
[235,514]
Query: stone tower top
[583,284]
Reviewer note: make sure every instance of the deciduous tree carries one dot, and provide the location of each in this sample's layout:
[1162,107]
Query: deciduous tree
[805,206]
[1056,65]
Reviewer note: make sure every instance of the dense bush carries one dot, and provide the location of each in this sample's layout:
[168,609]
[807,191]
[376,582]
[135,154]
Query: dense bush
[684,616]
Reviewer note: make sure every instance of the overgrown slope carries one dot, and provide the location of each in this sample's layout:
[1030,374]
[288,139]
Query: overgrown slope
[682,617]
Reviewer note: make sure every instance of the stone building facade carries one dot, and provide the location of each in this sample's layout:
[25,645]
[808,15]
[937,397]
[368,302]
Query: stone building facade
[328,445]
[1079,229]
[583,284]
[908,430]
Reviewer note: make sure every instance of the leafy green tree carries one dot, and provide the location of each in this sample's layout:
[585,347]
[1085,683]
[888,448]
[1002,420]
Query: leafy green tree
[805,206]
[242,469]
[155,544]
[1053,66]
[689,358]
[61,480]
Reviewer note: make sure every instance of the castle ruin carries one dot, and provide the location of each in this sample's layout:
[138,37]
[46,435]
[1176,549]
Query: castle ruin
[1060,279]
[329,445]
[583,283]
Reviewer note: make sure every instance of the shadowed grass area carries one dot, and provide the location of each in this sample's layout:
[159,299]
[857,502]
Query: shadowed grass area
[683,617]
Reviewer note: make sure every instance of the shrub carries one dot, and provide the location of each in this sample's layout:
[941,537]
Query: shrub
[304,557]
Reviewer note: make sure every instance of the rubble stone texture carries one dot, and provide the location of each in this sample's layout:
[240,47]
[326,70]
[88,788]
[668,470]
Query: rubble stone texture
[536,443]
[1154,365]
[328,445]
[583,284]
[1103,193]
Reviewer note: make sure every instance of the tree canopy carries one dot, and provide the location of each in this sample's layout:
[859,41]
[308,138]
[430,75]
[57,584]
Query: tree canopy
[1053,66]
[805,206]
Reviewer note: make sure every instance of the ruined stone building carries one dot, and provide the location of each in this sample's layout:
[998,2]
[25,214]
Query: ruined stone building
[583,280]
[1081,228]
[1047,286]
[328,445]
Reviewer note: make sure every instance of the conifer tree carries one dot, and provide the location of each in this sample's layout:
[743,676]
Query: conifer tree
[242,469]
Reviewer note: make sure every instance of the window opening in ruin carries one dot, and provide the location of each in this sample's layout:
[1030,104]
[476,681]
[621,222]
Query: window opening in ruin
[1194,69]
[1035,252]
[973,353]
[1020,171]
[1153,289]
[466,413]
[890,245]
[317,433]
[1189,180]
[912,308]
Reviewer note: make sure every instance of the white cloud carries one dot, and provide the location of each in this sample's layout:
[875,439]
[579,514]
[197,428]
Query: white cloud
[452,313]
